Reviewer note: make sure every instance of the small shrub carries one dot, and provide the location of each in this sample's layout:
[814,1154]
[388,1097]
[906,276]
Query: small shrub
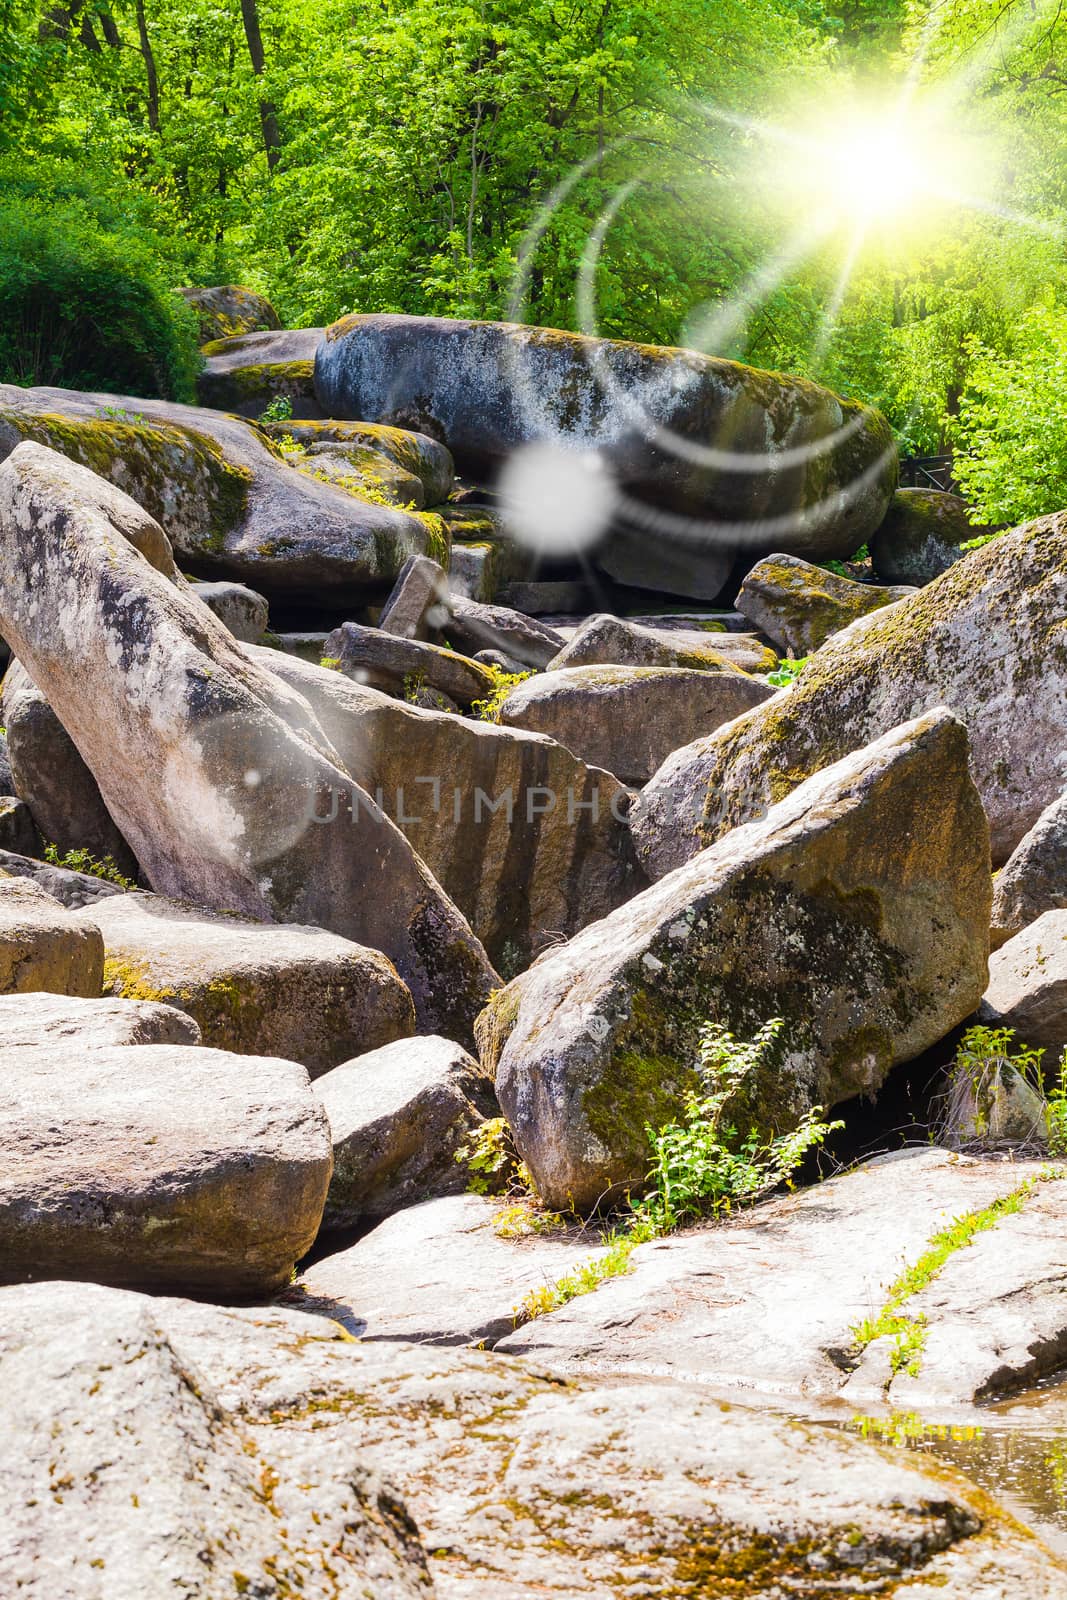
[488,710]
[279,410]
[82,861]
[786,672]
[1056,1112]
[988,1066]
[493,1163]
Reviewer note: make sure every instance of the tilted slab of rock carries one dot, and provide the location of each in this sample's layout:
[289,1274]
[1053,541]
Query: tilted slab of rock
[226,310]
[987,639]
[629,719]
[1028,987]
[855,911]
[73,1024]
[245,372]
[770,1302]
[260,989]
[50,775]
[159,1165]
[414,455]
[529,842]
[1034,878]
[43,946]
[217,773]
[921,536]
[72,889]
[422,583]
[473,626]
[398,1118]
[798,605]
[147,1431]
[604,640]
[240,609]
[231,504]
[396,665]
[754,460]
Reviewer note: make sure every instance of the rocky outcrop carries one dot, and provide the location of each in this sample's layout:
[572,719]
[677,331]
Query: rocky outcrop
[798,605]
[63,1022]
[158,1165]
[855,911]
[629,719]
[729,458]
[921,536]
[986,639]
[218,774]
[528,841]
[1034,878]
[1028,987]
[226,310]
[399,1117]
[230,502]
[42,946]
[255,988]
[246,372]
[604,640]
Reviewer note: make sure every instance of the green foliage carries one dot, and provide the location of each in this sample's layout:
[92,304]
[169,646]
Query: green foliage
[493,1164]
[1056,1112]
[786,672]
[83,861]
[583,1279]
[488,709]
[986,1063]
[279,410]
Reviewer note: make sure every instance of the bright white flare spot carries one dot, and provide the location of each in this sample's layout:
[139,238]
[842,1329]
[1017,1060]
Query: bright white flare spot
[876,171]
[557,501]
[253,778]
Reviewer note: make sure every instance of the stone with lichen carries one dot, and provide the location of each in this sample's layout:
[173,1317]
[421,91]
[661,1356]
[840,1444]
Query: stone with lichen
[798,605]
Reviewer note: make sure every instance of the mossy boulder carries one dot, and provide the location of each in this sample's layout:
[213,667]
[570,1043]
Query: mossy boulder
[254,988]
[856,911]
[921,536]
[402,666]
[244,374]
[604,640]
[43,946]
[672,429]
[227,310]
[798,605]
[987,639]
[229,500]
[414,455]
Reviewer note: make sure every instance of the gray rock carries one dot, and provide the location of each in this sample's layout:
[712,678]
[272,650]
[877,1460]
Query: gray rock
[421,584]
[370,449]
[245,372]
[219,775]
[770,1303]
[50,775]
[159,1165]
[921,536]
[541,598]
[528,841]
[398,1117]
[604,640]
[440,1273]
[226,310]
[491,388]
[231,504]
[474,627]
[63,1022]
[72,889]
[17,830]
[798,606]
[42,946]
[399,666]
[855,911]
[259,989]
[238,608]
[299,1458]
[1028,986]
[986,639]
[503,663]
[629,719]
[1034,878]
[7,781]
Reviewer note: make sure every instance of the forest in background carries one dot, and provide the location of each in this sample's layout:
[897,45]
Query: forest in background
[392,155]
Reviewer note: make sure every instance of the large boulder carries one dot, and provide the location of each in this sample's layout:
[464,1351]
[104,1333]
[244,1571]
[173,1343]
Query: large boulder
[921,536]
[629,719]
[986,639]
[67,1022]
[50,775]
[227,310]
[529,841]
[400,666]
[1034,878]
[158,1165]
[604,640]
[708,457]
[42,946]
[798,605]
[1028,987]
[245,373]
[218,774]
[230,502]
[398,1117]
[158,1447]
[420,463]
[255,988]
[856,911]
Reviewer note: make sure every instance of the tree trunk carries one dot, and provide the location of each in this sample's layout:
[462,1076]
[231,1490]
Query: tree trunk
[268,115]
[151,75]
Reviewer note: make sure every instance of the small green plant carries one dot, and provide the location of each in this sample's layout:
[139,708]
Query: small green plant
[1056,1112]
[280,409]
[583,1279]
[82,861]
[120,414]
[979,541]
[989,1063]
[414,683]
[331,663]
[786,672]
[488,710]
[493,1164]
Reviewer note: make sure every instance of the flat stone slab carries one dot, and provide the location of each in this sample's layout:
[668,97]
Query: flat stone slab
[75,1024]
[44,946]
